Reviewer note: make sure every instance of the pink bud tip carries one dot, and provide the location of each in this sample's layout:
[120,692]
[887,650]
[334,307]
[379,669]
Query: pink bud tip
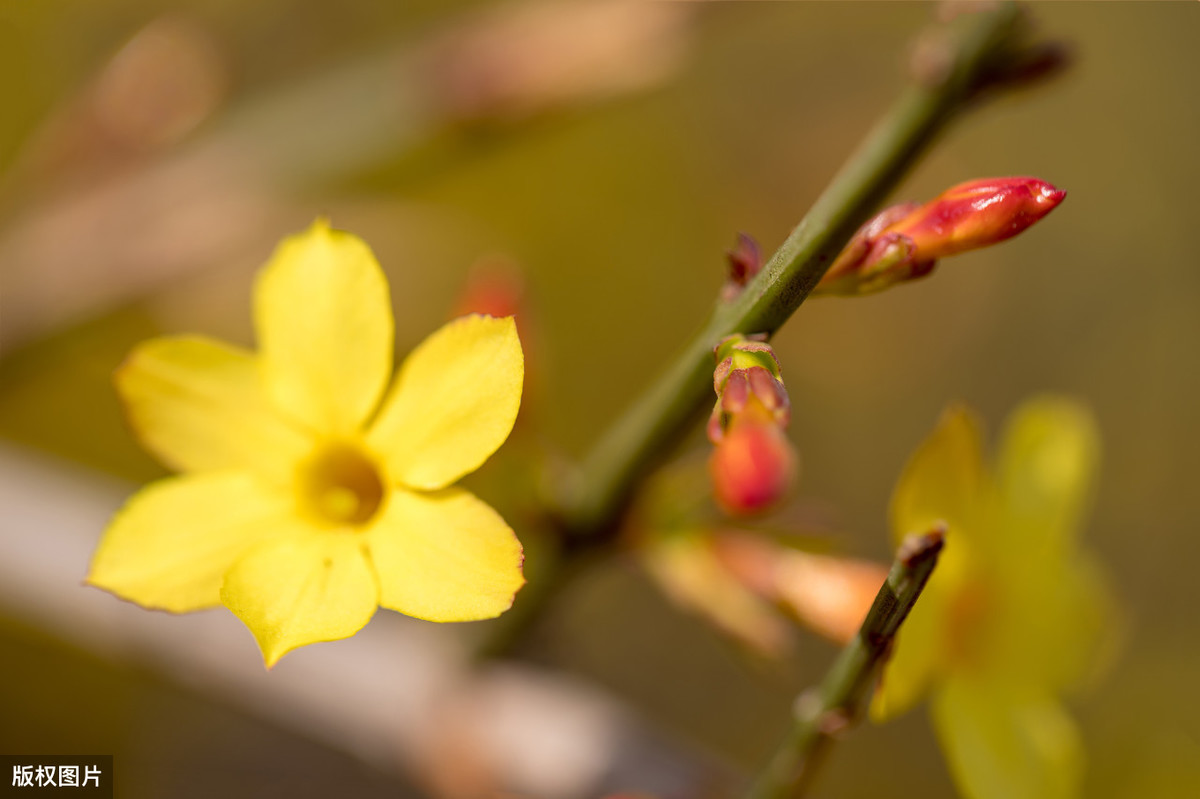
[745,260]
[752,467]
[977,213]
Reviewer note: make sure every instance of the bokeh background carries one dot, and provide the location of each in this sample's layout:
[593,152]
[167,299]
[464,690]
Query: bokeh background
[151,157]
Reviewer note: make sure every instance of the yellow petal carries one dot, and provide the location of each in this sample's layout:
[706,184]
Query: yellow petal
[173,542]
[1052,628]
[198,405]
[455,401]
[940,484]
[1044,474]
[324,324]
[1000,744]
[444,556]
[1052,607]
[941,481]
[301,590]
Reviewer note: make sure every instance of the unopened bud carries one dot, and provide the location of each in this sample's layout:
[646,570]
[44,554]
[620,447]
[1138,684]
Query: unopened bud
[904,242]
[745,262]
[976,214]
[738,353]
[753,463]
[752,391]
[752,466]
[741,352]
[747,380]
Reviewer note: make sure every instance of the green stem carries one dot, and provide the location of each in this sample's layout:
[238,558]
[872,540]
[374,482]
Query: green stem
[629,449]
[838,701]
[972,53]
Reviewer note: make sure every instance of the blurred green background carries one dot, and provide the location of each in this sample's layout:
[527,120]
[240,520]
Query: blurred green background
[150,158]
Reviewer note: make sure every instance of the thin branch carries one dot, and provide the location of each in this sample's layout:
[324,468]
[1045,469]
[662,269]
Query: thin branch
[969,53]
[837,703]
[625,452]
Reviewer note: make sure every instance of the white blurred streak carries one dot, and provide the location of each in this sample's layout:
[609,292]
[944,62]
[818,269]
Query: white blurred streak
[100,212]
[161,85]
[102,244]
[401,694]
[535,733]
[520,59]
[158,88]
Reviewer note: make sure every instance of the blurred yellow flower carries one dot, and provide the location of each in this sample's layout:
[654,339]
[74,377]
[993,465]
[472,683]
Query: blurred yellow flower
[1014,612]
[309,497]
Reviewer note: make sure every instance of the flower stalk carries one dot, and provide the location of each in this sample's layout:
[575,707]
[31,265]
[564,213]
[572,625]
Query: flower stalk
[905,241]
[974,53]
[593,503]
[829,710]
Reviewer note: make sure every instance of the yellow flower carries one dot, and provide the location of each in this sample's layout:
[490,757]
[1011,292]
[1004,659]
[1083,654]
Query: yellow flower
[309,497]
[1013,612]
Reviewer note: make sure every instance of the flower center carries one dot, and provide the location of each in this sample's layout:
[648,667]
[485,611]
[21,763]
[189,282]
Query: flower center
[340,485]
[969,614]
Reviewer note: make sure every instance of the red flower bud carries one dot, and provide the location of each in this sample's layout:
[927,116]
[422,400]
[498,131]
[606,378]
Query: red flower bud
[752,466]
[753,463]
[745,262]
[903,242]
[976,214]
[744,392]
